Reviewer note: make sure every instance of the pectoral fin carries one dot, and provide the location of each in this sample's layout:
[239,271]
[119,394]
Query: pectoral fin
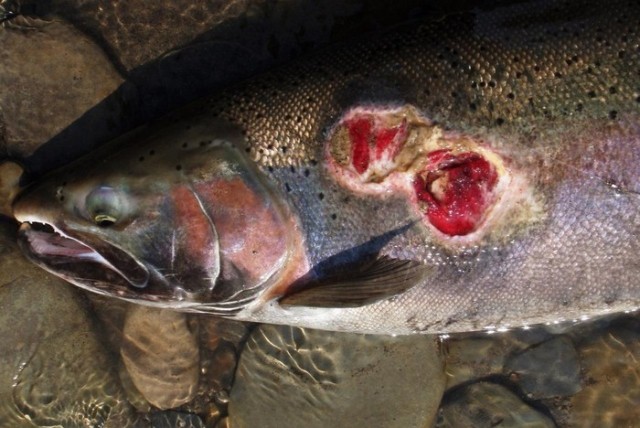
[380,279]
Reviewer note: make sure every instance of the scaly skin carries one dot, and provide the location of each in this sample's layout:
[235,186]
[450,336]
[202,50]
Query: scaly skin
[547,94]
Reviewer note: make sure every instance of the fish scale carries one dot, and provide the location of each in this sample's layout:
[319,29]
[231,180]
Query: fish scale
[544,95]
[550,76]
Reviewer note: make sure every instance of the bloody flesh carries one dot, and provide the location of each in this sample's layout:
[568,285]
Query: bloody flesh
[467,180]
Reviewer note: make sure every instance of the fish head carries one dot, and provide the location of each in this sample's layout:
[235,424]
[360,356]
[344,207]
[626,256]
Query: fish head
[174,218]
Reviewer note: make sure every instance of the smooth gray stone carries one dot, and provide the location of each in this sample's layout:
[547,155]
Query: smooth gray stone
[175,420]
[51,74]
[291,377]
[476,355]
[610,359]
[547,370]
[487,405]
[161,355]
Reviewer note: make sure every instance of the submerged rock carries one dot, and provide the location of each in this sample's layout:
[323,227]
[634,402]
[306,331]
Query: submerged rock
[161,355]
[9,178]
[547,370]
[487,404]
[610,360]
[476,355]
[214,343]
[137,31]
[579,374]
[221,342]
[299,377]
[175,420]
[51,75]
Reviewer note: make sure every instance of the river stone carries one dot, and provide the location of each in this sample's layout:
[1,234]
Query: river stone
[292,377]
[487,405]
[475,355]
[161,355]
[53,369]
[220,343]
[112,314]
[546,370]
[51,75]
[9,177]
[610,359]
[175,420]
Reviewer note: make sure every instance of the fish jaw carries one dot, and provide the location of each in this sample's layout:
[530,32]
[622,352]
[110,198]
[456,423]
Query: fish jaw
[76,262]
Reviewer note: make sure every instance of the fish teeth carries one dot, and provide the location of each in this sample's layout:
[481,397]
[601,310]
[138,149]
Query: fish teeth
[42,227]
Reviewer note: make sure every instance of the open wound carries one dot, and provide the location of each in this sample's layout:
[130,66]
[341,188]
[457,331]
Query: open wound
[456,183]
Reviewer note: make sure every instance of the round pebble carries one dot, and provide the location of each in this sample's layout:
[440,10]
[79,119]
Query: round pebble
[299,377]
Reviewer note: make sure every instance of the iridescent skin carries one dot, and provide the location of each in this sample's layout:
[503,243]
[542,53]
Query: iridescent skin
[547,94]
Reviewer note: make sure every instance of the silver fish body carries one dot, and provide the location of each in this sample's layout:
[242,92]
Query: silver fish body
[479,172]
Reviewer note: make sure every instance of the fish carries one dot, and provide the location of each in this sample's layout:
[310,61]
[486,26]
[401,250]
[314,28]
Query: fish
[476,172]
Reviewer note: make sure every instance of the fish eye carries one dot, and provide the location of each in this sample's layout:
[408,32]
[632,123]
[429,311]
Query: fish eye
[104,206]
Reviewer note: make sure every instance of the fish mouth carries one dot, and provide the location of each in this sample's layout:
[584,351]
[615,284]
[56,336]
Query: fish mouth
[99,267]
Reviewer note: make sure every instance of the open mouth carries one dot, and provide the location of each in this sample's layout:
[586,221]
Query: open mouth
[45,241]
[97,266]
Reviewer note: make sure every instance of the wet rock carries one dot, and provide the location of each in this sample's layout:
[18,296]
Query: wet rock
[298,377]
[213,330]
[161,355]
[51,75]
[9,177]
[221,342]
[176,419]
[223,423]
[546,370]
[477,355]
[53,369]
[136,32]
[486,404]
[112,314]
[610,360]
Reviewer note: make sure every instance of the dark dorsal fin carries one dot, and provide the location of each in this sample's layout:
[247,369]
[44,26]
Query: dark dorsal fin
[375,280]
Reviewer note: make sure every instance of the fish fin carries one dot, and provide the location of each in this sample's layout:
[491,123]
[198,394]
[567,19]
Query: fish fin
[380,279]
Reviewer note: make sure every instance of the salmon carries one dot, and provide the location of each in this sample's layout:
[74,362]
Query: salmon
[476,172]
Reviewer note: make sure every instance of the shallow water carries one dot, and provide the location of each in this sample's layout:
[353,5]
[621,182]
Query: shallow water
[76,74]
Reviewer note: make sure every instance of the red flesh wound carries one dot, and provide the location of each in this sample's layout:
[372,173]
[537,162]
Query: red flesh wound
[464,196]
[370,140]
[385,137]
[360,135]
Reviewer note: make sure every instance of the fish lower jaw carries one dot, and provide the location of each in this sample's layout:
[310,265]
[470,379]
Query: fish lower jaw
[70,258]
